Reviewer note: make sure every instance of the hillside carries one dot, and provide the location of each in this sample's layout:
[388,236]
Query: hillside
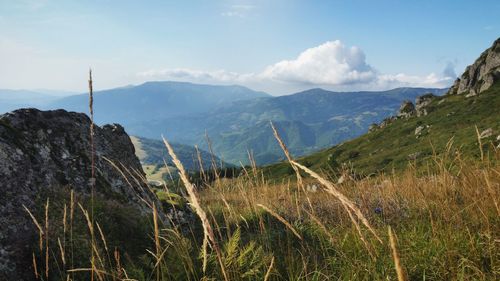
[446,120]
[14,99]
[153,152]
[155,101]
[237,118]
[310,120]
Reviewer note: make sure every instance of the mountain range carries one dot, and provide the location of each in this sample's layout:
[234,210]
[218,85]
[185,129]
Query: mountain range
[462,124]
[236,119]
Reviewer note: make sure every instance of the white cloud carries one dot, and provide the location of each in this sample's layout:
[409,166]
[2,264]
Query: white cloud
[331,65]
[432,80]
[185,74]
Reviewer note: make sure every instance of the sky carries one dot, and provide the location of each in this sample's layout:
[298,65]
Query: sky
[275,46]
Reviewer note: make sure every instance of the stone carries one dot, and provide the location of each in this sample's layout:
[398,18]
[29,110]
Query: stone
[406,110]
[422,103]
[33,162]
[373,127]
[420,130]
[481,75]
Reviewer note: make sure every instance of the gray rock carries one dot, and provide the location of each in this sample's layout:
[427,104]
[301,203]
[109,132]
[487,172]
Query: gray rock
[422,103]
[481,75]
[373,127]
[420,130]
[387,121]
[49,150]
[406,110]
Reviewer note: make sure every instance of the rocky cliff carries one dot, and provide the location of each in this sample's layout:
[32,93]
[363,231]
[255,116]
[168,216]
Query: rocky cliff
[45,151]
[481,75]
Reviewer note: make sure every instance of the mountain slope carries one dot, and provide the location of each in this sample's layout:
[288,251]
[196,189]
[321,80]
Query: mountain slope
[237,118]
[437,125]
[311,120]
[154,152]
[14,99]
[155,101]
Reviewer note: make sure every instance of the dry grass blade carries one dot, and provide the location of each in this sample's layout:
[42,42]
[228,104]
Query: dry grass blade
[194,202]
[103,238]
[281,219]
[492,192]
[157,240]
[480,143]
[35,267]
[395,255]
[40,229]
[348,204]
[287,153]
[61,249]
[47,239]
[269,270]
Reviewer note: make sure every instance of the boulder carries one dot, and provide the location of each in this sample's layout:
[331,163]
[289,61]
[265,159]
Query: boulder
[420,130]
[45,152]
[406,110]
[422,103]
[481,75]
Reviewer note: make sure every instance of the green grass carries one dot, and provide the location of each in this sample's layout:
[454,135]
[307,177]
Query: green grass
[446,218]
[451,118]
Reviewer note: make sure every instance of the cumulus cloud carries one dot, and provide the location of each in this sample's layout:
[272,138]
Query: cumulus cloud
[331,65]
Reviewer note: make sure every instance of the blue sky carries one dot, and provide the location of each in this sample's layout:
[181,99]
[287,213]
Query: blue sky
[272,45]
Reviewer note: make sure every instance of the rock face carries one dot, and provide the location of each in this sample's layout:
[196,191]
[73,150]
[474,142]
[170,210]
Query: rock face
[406,110]
[46,150]
[479,76]
[422,102]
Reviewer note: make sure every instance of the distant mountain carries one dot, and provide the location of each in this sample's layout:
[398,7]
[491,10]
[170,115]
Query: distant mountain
[237,118]
[14,99]
[309,120]
[155,101]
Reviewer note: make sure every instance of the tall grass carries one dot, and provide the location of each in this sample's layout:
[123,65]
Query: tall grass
[447,223]
[248,228]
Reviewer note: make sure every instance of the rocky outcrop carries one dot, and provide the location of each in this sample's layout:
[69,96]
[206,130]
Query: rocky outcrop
[373,127]
[422,103]
[406,110]
[41,151]
[481,75]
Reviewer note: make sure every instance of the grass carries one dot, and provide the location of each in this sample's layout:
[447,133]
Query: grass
[158,172]
[446,223]
[433,219]
[451,118]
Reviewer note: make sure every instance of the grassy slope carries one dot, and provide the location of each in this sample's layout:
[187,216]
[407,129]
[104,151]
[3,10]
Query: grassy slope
[152,152]
[454,118]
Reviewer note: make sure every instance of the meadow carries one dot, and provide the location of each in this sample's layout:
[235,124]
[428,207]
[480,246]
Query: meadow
[443,224]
